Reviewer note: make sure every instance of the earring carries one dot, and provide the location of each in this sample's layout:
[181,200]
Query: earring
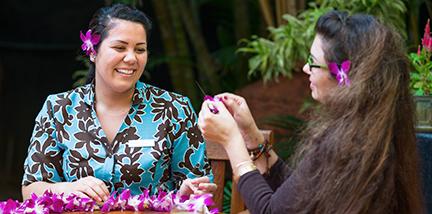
[92,57]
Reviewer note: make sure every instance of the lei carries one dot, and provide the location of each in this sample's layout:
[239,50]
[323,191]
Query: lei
[163,202]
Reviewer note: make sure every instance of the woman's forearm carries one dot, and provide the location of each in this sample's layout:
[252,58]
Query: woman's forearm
[264,162]
[237,153]
[40,187]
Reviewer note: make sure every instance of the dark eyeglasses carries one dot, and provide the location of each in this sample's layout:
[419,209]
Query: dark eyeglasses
[312,65]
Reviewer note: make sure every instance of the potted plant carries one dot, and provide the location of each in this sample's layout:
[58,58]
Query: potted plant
[421,81]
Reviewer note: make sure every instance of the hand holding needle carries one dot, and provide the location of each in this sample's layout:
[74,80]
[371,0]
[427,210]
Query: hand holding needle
[212,108]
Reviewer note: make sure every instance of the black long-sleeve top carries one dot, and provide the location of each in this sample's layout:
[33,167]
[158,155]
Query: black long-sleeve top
[275,193]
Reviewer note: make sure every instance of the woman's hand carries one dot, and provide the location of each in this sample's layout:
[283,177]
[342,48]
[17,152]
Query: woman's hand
[239,109]
[197,186]
[221,128]
[218,127]
[85,187]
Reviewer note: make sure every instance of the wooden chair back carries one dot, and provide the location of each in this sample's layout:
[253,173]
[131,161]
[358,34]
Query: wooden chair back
[219,162]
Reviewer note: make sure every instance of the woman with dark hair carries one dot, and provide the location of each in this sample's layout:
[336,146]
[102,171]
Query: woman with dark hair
[116,132]
[358,155]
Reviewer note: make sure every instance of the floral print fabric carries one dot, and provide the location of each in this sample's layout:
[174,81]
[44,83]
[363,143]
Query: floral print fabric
[68,142]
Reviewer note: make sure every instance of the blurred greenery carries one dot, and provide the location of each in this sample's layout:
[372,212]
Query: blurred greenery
[421,75]
[226,204]
[286,141]
[289,44]
[80,76]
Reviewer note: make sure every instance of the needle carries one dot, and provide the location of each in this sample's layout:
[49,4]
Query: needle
[212,108]
[199,86]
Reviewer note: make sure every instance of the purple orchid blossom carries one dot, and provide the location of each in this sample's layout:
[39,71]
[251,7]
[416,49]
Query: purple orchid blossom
[8,206]
[163,202]
[123,199]
[341,72]
[135,203]
[110,204]
[212,108]
[57,203]
[89,41]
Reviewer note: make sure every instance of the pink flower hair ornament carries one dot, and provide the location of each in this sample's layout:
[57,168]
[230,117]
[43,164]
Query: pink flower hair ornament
[341,71]
[89,41]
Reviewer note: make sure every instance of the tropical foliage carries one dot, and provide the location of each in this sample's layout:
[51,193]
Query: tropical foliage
[288,140]
[421,76]
[289,44]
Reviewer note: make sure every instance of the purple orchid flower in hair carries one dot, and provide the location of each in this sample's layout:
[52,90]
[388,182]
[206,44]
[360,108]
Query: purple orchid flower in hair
[341,72]
[89,41]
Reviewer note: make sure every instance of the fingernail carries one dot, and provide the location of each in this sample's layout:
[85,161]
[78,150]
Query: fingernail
[105,198]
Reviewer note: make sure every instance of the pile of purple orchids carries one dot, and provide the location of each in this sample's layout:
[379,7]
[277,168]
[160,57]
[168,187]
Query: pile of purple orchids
[162,202]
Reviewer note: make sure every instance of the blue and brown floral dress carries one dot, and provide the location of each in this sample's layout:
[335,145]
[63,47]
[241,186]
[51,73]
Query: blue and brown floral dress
[68,142]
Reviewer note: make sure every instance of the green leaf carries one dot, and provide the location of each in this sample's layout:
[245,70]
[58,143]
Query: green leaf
[418,84]
[419,92]
[290,42]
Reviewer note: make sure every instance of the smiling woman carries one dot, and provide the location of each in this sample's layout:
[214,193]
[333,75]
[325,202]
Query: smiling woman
[116,132]
[122,57]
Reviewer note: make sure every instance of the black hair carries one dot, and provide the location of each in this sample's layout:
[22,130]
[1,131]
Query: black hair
[102,22]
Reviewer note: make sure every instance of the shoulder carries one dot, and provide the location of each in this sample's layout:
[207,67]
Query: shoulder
[155,94]
[177,105]
[72,97]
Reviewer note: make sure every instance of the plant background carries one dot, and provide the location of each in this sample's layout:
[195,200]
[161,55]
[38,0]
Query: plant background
[191,40]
